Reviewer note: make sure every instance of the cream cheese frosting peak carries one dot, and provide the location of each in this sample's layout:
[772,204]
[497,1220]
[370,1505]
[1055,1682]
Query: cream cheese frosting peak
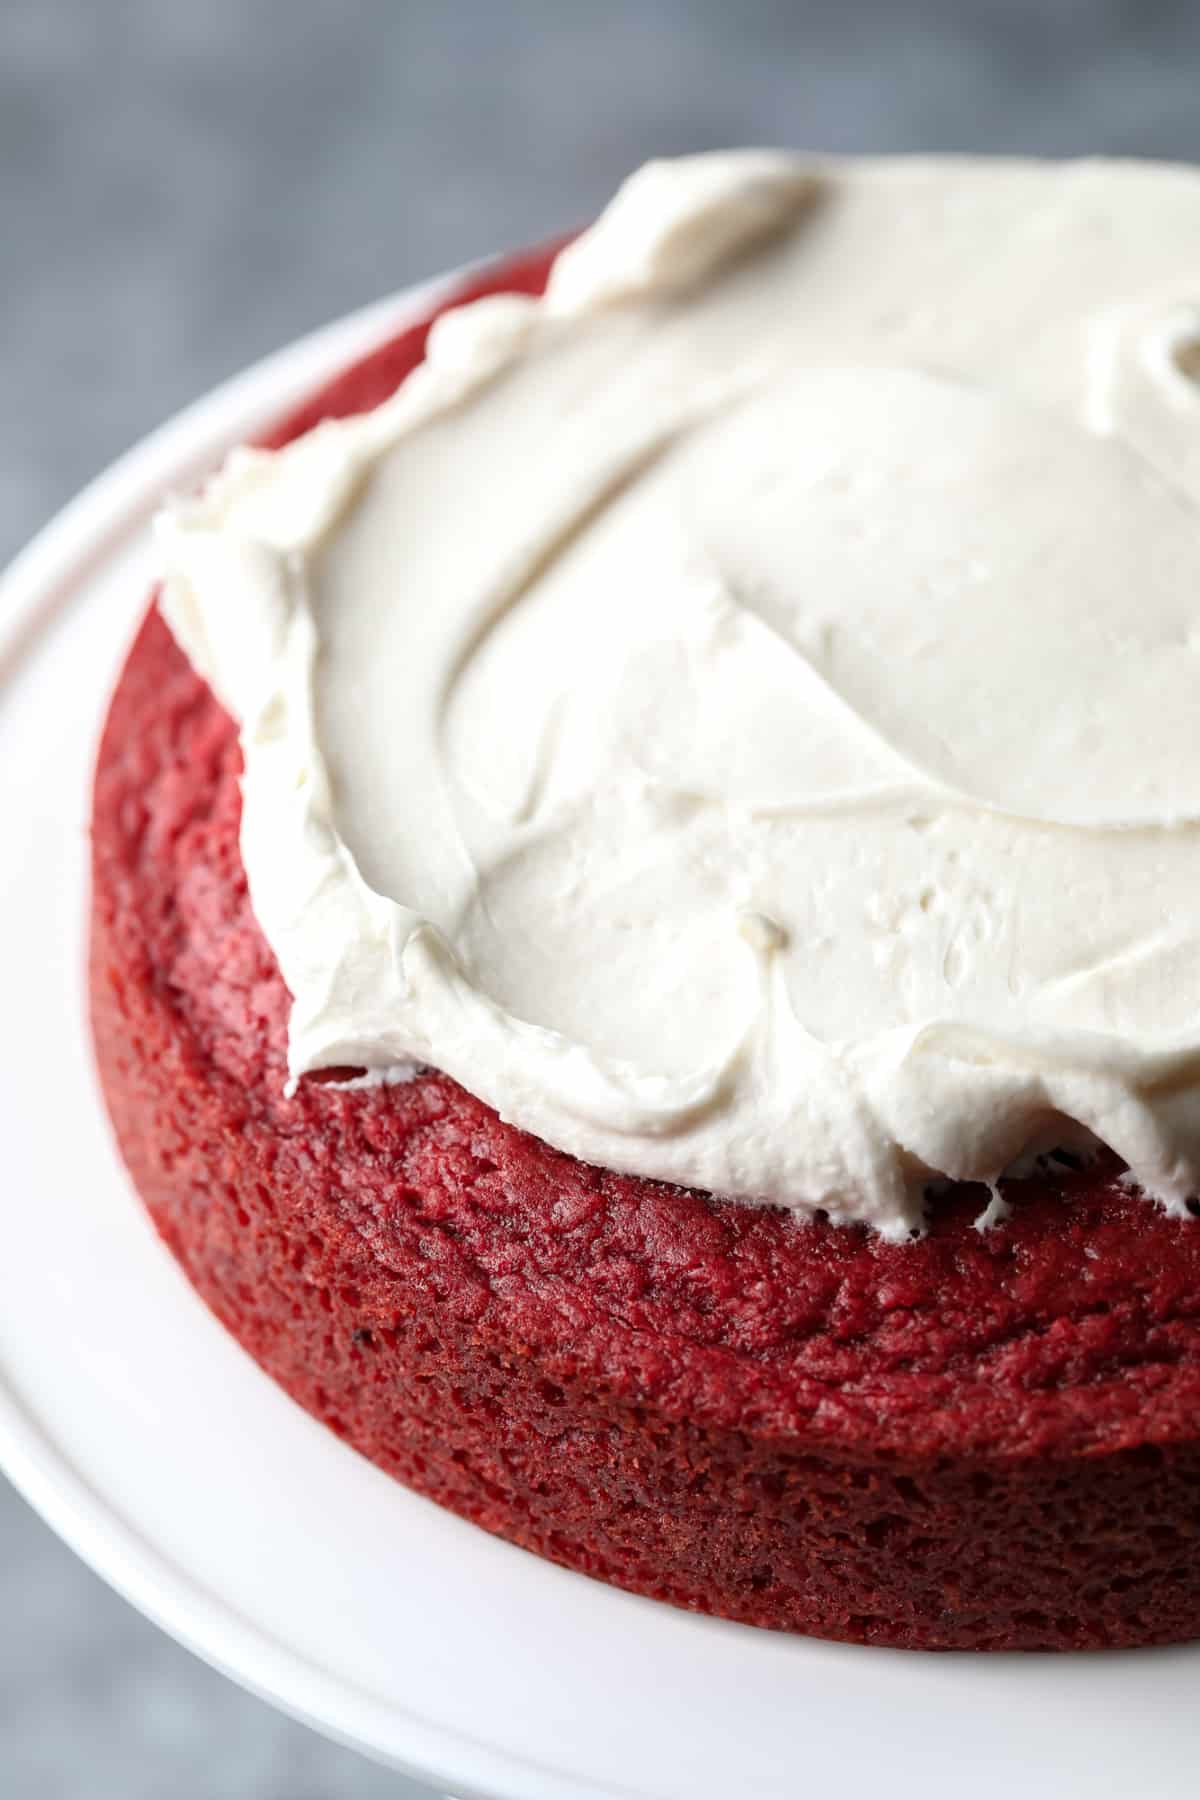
[736,714]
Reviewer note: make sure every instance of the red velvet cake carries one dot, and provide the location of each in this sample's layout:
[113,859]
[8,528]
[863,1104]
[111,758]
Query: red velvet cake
[972,1438]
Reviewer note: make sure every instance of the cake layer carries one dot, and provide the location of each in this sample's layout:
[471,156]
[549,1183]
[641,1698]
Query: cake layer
[973,1439]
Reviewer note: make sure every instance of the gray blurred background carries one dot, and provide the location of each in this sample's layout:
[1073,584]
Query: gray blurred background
[186,184]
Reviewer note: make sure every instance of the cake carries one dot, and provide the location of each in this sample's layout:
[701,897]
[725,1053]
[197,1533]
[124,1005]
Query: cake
[642,948]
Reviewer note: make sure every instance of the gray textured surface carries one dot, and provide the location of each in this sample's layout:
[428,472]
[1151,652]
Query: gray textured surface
[185,184]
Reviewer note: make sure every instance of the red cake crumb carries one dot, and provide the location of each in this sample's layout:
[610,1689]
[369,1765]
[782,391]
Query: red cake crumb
[981,1440]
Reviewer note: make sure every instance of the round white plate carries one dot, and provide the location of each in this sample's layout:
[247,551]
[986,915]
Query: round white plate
[162,1454]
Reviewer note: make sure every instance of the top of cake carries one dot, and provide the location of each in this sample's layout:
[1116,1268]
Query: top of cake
[735,713]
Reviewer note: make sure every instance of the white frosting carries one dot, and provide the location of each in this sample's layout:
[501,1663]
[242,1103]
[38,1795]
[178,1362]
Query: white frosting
[738,714]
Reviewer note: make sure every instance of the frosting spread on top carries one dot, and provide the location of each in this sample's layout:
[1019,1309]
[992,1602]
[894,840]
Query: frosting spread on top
[737,715]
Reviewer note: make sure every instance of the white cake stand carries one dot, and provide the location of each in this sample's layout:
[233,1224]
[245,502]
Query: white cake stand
[161,1453]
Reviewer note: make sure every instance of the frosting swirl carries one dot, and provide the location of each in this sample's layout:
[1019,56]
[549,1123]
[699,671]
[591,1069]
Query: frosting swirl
[736,714]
